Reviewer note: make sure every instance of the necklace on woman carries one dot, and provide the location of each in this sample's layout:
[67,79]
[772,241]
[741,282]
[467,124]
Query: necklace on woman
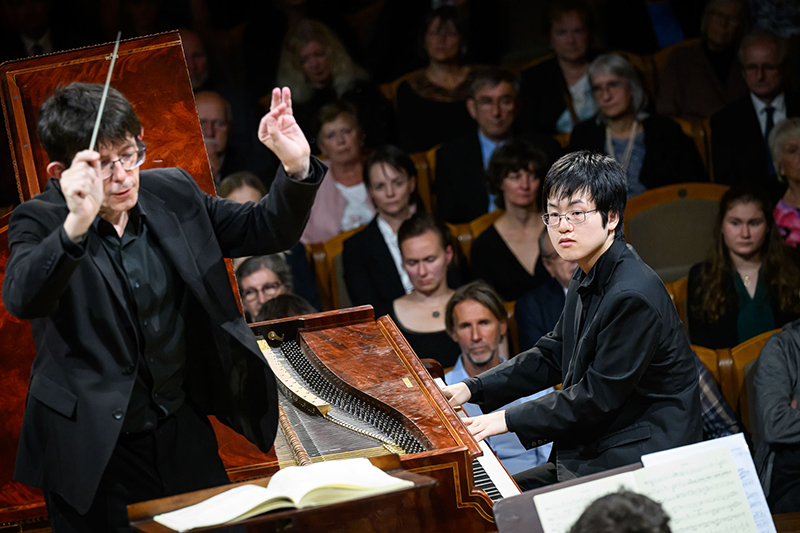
[747,281]
[435,313]
[625,162]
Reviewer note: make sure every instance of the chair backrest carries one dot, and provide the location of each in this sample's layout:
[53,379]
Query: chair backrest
[466,233]
[741,355]
[328,271]
[700,132]
[518,68]
[661,57]
[748,403]
[424,182]
[562,139]
[708,357]
[513,330]
[646,67]
[678,291]
[670,226]
[389,90]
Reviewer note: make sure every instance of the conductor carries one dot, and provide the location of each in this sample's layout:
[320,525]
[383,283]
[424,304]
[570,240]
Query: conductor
[138,333]
[629,383]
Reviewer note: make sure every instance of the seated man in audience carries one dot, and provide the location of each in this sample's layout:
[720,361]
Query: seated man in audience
[629,381]
[777,386]
[740,131]
[461,184]
[538,311]
[262,278]
[476,319]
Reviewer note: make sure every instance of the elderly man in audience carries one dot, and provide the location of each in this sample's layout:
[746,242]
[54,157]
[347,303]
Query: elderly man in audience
[476,319]
[777,385]
[461,184]
[702,77]
[740,132]
[784,144]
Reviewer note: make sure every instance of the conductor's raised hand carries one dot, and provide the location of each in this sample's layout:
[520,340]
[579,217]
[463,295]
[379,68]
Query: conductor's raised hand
[83,191]
[457,394]
[281,134]
[487,425]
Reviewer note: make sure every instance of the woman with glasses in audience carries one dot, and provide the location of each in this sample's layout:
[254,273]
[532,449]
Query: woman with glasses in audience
[373,266]
[749,285]
[427,253]
[556,93]
[784,144]
[342,201]
[431,105]
[317,68]
[650,147]
[261,278]
[506,255]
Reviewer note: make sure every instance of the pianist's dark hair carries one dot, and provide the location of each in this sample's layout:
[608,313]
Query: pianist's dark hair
[623,512]
[585,172]
[66,120]
[481,292]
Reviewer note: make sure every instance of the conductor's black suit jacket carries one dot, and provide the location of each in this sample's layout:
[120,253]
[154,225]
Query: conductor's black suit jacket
[630,385]
[87,351]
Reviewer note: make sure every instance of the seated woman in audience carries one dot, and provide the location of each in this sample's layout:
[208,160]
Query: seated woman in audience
[784,143]
[701,78]
[261,278]
[427,254]
[373,267]
[431,104]
[316,67]
[749,285]
[652,148]
[342,201]
[506,255]
[556,93]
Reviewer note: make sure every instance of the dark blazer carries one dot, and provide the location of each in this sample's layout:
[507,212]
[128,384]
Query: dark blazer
[737,145]
[369,270]
[461,185]
[670,156]
[87,350]
[725,333]
[629,379]
[537,312]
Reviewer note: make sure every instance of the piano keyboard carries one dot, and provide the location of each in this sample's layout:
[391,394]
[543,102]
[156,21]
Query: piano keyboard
[487,470]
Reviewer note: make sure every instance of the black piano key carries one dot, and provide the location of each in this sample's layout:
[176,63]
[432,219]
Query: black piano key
[484,482]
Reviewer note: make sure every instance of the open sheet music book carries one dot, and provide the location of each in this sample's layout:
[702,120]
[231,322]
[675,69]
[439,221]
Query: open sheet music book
[710,487]
[293,487]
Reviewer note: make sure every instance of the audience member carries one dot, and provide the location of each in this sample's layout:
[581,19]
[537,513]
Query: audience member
[507,254]
[651,148]
[245,187]
[556,93]
[739,132]
[623,512]
[749,285]
[784,145]
[316,67]
[342,201]
[777,387]
[461,185]
[476,319]
[373,266]
[645,27]
[538,311]
[261,278]
[284,306]
[427,254]
[34,33]
[430,104]
[701,78]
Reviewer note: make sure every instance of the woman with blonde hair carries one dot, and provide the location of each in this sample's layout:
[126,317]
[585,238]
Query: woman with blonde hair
[315,65]
[784,143]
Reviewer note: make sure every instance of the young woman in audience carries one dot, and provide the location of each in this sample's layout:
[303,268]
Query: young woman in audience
[701,77]
[243,187]
[556,93]
[431,105]
[749,285]
[506,255]
[342,201]
[316,67]
[427,254]
[373,266]
[784,143]
[652,148]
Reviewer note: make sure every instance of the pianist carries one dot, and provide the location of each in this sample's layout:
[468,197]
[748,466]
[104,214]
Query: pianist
[138,333]
[476,319]
[629,382]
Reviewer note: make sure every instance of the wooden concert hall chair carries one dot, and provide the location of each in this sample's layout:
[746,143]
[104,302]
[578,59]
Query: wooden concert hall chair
[700,132]
[670,227]
[466,233]
[424,179]
[678,291]
[328,271]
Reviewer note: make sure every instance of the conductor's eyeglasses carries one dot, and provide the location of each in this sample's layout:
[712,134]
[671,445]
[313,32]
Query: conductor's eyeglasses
[127,161]
[572,217]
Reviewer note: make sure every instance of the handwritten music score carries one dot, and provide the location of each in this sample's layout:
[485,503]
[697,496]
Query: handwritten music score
[700,492]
